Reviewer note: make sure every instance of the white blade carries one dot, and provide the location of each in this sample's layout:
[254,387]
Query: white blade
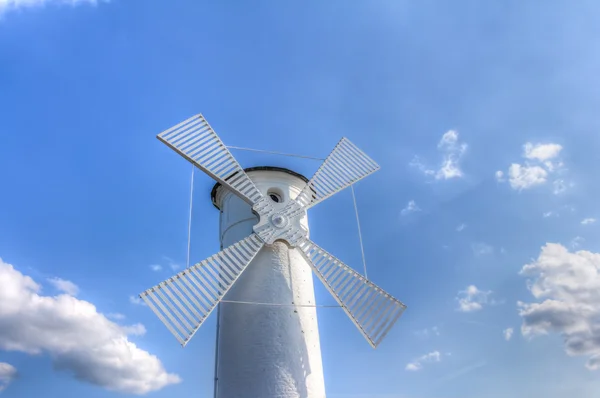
[371,309]
[184,301]
[344,166]
[197,142]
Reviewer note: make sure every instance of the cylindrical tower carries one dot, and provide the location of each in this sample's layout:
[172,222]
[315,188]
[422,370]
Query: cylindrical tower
[267,351]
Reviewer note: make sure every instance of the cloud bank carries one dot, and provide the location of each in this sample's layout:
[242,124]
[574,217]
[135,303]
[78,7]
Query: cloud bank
[80,340]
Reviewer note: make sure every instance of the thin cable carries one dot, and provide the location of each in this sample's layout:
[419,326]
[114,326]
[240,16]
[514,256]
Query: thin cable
[274,152]
[190,218]
[362,249]
[280,305]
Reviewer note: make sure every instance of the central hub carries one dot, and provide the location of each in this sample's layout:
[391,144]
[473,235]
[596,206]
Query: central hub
[279,220]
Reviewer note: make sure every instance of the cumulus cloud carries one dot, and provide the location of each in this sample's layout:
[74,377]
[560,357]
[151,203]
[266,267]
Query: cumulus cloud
[411,207]
[566,287]
[524,177]
[539,165]
[452,152]
[6,5]
[541,152]
[587,221]
[64,286]
[472,299]
[7,374]
[78,338]
[155,267]
[508,333]
[418,363]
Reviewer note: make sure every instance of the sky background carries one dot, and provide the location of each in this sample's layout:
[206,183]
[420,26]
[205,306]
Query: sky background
[500,271]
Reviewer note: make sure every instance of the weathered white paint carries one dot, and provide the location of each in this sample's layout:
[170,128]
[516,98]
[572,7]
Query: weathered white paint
[268,351]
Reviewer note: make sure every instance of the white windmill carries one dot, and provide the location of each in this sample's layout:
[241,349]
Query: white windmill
[269,349]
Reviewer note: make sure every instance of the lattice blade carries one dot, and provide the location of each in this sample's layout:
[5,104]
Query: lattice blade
[344,166]
[184,301]
[371,309]
[197,142]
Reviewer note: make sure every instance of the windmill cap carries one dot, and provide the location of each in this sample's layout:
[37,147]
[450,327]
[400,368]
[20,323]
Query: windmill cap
[213,192]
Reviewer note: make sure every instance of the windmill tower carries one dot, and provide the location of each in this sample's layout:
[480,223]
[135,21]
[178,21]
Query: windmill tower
[268,342]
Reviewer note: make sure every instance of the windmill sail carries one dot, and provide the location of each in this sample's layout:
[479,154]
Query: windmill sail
[185,300]
[197,142]
[372,310]
[344,166]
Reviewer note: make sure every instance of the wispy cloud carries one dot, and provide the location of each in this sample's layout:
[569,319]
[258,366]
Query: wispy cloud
[452,151]
[462,371]
[481,249]
[508,333]
[418,363]
[576,242]
[461,227]
[64,286]
[116,316]
[155,267]
[587,221]
[428,332]
[7,374]
[411,207]
[136,300]
[7,5]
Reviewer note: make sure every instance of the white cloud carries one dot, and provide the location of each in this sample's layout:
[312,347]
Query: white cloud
[541,152]
[549,214]
[136,300]
[155,267]
[537,168]
[472,299]
[411,207]
[566,287]
[461,227]
[576,242]
[588,220]
[172,264]
[78,338]
[452,152]
[6,5]
[64,286]
[7,374]
[417,364]
[524,177]
[481,249]
[559,186]
[508,333]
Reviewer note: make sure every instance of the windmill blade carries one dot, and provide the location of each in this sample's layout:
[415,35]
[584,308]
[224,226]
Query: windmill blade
[344,166]
[371,309]
[185,300]
[197,142]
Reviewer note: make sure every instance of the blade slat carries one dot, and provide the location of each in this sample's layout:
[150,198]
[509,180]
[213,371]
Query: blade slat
[345,165]
[197,142]
[173,308]
[371,309]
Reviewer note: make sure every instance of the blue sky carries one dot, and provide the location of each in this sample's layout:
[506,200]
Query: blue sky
[89,196]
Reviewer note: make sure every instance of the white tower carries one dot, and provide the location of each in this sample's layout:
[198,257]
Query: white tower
[267,350]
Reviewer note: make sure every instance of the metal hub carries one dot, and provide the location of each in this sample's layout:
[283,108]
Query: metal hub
[279,220]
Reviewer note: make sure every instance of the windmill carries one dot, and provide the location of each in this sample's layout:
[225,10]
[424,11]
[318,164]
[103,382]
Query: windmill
[271,348]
